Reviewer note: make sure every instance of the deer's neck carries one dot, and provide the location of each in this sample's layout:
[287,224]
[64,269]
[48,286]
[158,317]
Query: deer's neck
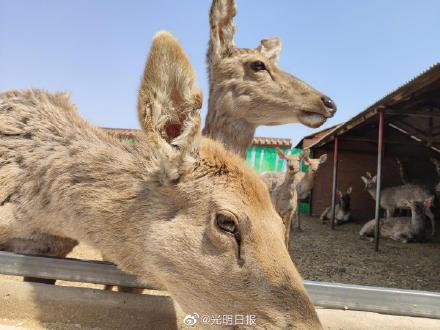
[235,134]
[106,199]
[372,192]
[306,184]
[289,180]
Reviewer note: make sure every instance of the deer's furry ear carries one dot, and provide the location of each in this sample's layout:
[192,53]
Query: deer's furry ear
[349,190]
[323,159]
[305,154]
[222,26]
[271,48]
[169,103]
[280,153]
[364,179]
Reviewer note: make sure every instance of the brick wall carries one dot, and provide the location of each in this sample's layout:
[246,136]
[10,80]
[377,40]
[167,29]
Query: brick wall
[352,165]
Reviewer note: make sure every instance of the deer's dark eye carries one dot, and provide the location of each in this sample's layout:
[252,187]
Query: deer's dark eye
[226,223]
[258,66]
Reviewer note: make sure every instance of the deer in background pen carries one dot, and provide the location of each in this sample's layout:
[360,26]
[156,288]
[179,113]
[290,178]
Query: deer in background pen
[392,198]
[402,229]
[306,180]
[342,208]
[282,189]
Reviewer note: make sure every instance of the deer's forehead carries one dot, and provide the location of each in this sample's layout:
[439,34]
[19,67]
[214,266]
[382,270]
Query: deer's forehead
[239,187]
[243,55]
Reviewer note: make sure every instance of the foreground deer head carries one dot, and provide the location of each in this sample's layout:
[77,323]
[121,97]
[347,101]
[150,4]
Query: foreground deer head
[248,89]
[173,208]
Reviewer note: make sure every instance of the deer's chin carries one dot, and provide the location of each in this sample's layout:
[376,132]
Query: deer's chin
[311,119]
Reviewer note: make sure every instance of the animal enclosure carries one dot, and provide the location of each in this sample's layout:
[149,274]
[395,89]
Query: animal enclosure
[411,140]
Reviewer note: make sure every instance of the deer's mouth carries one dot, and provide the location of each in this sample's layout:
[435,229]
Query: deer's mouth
[311,119]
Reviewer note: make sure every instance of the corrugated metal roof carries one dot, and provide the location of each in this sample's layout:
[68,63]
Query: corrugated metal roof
[257,141]
[433,72]
[311,139]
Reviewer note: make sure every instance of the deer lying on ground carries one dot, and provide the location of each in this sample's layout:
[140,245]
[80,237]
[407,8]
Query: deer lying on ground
[282,189]
[248,89]
[396,197]
[403,229]
[174,209]
[342,208]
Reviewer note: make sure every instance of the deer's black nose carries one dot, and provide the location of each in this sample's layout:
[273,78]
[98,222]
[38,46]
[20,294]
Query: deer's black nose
[329,103]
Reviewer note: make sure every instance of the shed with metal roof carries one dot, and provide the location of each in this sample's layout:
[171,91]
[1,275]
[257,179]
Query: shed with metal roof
[403,125]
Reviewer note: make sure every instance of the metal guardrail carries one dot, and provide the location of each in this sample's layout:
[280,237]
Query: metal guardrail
[374,299]
[324,294]
[66,269]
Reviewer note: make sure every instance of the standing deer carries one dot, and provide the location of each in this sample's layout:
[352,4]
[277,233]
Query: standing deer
[248,89]
[403,229]
[282,189]
[437,169]
[175,208]
[306,181]
[392,198]
[402,172]
[342,208]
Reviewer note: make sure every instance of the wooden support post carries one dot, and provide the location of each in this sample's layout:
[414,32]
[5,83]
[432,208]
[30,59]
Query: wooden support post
[379,181]
[335,177]
[430,126]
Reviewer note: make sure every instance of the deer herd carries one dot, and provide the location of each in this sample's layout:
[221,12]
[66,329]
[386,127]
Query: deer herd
[177,209]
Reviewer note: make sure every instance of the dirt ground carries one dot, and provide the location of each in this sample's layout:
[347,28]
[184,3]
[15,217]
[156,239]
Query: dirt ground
[339,255]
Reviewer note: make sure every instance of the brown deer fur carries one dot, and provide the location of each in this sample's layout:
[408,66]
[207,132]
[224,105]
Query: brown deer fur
[282,189]
[243,96]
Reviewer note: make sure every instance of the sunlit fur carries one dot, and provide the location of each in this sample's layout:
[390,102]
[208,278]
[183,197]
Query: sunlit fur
[282,189]
[151,207]
[240,98]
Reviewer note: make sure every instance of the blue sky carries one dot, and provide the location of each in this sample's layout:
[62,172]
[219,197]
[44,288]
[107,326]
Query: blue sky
[354,51]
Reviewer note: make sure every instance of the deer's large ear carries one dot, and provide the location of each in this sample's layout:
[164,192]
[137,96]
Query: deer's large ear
[364,179]
[349,190]
[222,27]
[280,153]
[323,159]
[271,48]
[305,154]
[168,105]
